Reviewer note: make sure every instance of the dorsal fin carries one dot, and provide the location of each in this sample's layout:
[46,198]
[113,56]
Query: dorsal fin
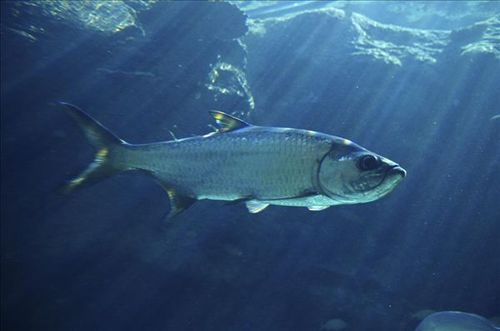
[227,122]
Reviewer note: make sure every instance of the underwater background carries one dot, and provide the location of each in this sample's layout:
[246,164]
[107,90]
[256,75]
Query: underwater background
[418,82]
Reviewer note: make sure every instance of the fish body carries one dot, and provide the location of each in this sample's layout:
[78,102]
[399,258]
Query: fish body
[258,165]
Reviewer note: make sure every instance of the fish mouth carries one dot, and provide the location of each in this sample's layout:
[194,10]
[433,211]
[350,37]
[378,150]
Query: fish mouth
[392,176]
[391,171]
[396,170]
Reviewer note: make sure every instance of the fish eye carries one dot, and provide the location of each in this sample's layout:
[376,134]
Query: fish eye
[368,162]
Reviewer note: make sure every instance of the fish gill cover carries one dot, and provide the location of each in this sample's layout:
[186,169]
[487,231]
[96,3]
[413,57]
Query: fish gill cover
[416,81]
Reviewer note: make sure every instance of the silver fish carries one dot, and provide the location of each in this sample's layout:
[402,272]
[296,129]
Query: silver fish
[258,165]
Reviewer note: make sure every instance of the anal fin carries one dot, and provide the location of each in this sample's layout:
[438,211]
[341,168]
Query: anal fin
[178,202]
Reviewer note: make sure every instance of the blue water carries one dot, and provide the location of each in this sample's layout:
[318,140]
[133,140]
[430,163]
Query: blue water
[103,258]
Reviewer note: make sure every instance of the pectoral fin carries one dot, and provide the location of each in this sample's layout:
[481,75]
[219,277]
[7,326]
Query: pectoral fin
[255,206]
[317,208]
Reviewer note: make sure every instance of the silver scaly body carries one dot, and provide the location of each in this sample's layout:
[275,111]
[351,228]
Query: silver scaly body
[250,163]
[241,162]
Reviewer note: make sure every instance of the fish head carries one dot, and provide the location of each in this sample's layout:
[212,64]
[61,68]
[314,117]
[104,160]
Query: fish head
[351,174]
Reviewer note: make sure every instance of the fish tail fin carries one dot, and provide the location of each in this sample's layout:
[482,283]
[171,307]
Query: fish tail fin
[107,147]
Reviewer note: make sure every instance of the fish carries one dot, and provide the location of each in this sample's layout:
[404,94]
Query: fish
[240,162]
[455,321]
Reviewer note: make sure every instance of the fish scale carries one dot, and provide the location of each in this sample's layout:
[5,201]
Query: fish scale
[255,162]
